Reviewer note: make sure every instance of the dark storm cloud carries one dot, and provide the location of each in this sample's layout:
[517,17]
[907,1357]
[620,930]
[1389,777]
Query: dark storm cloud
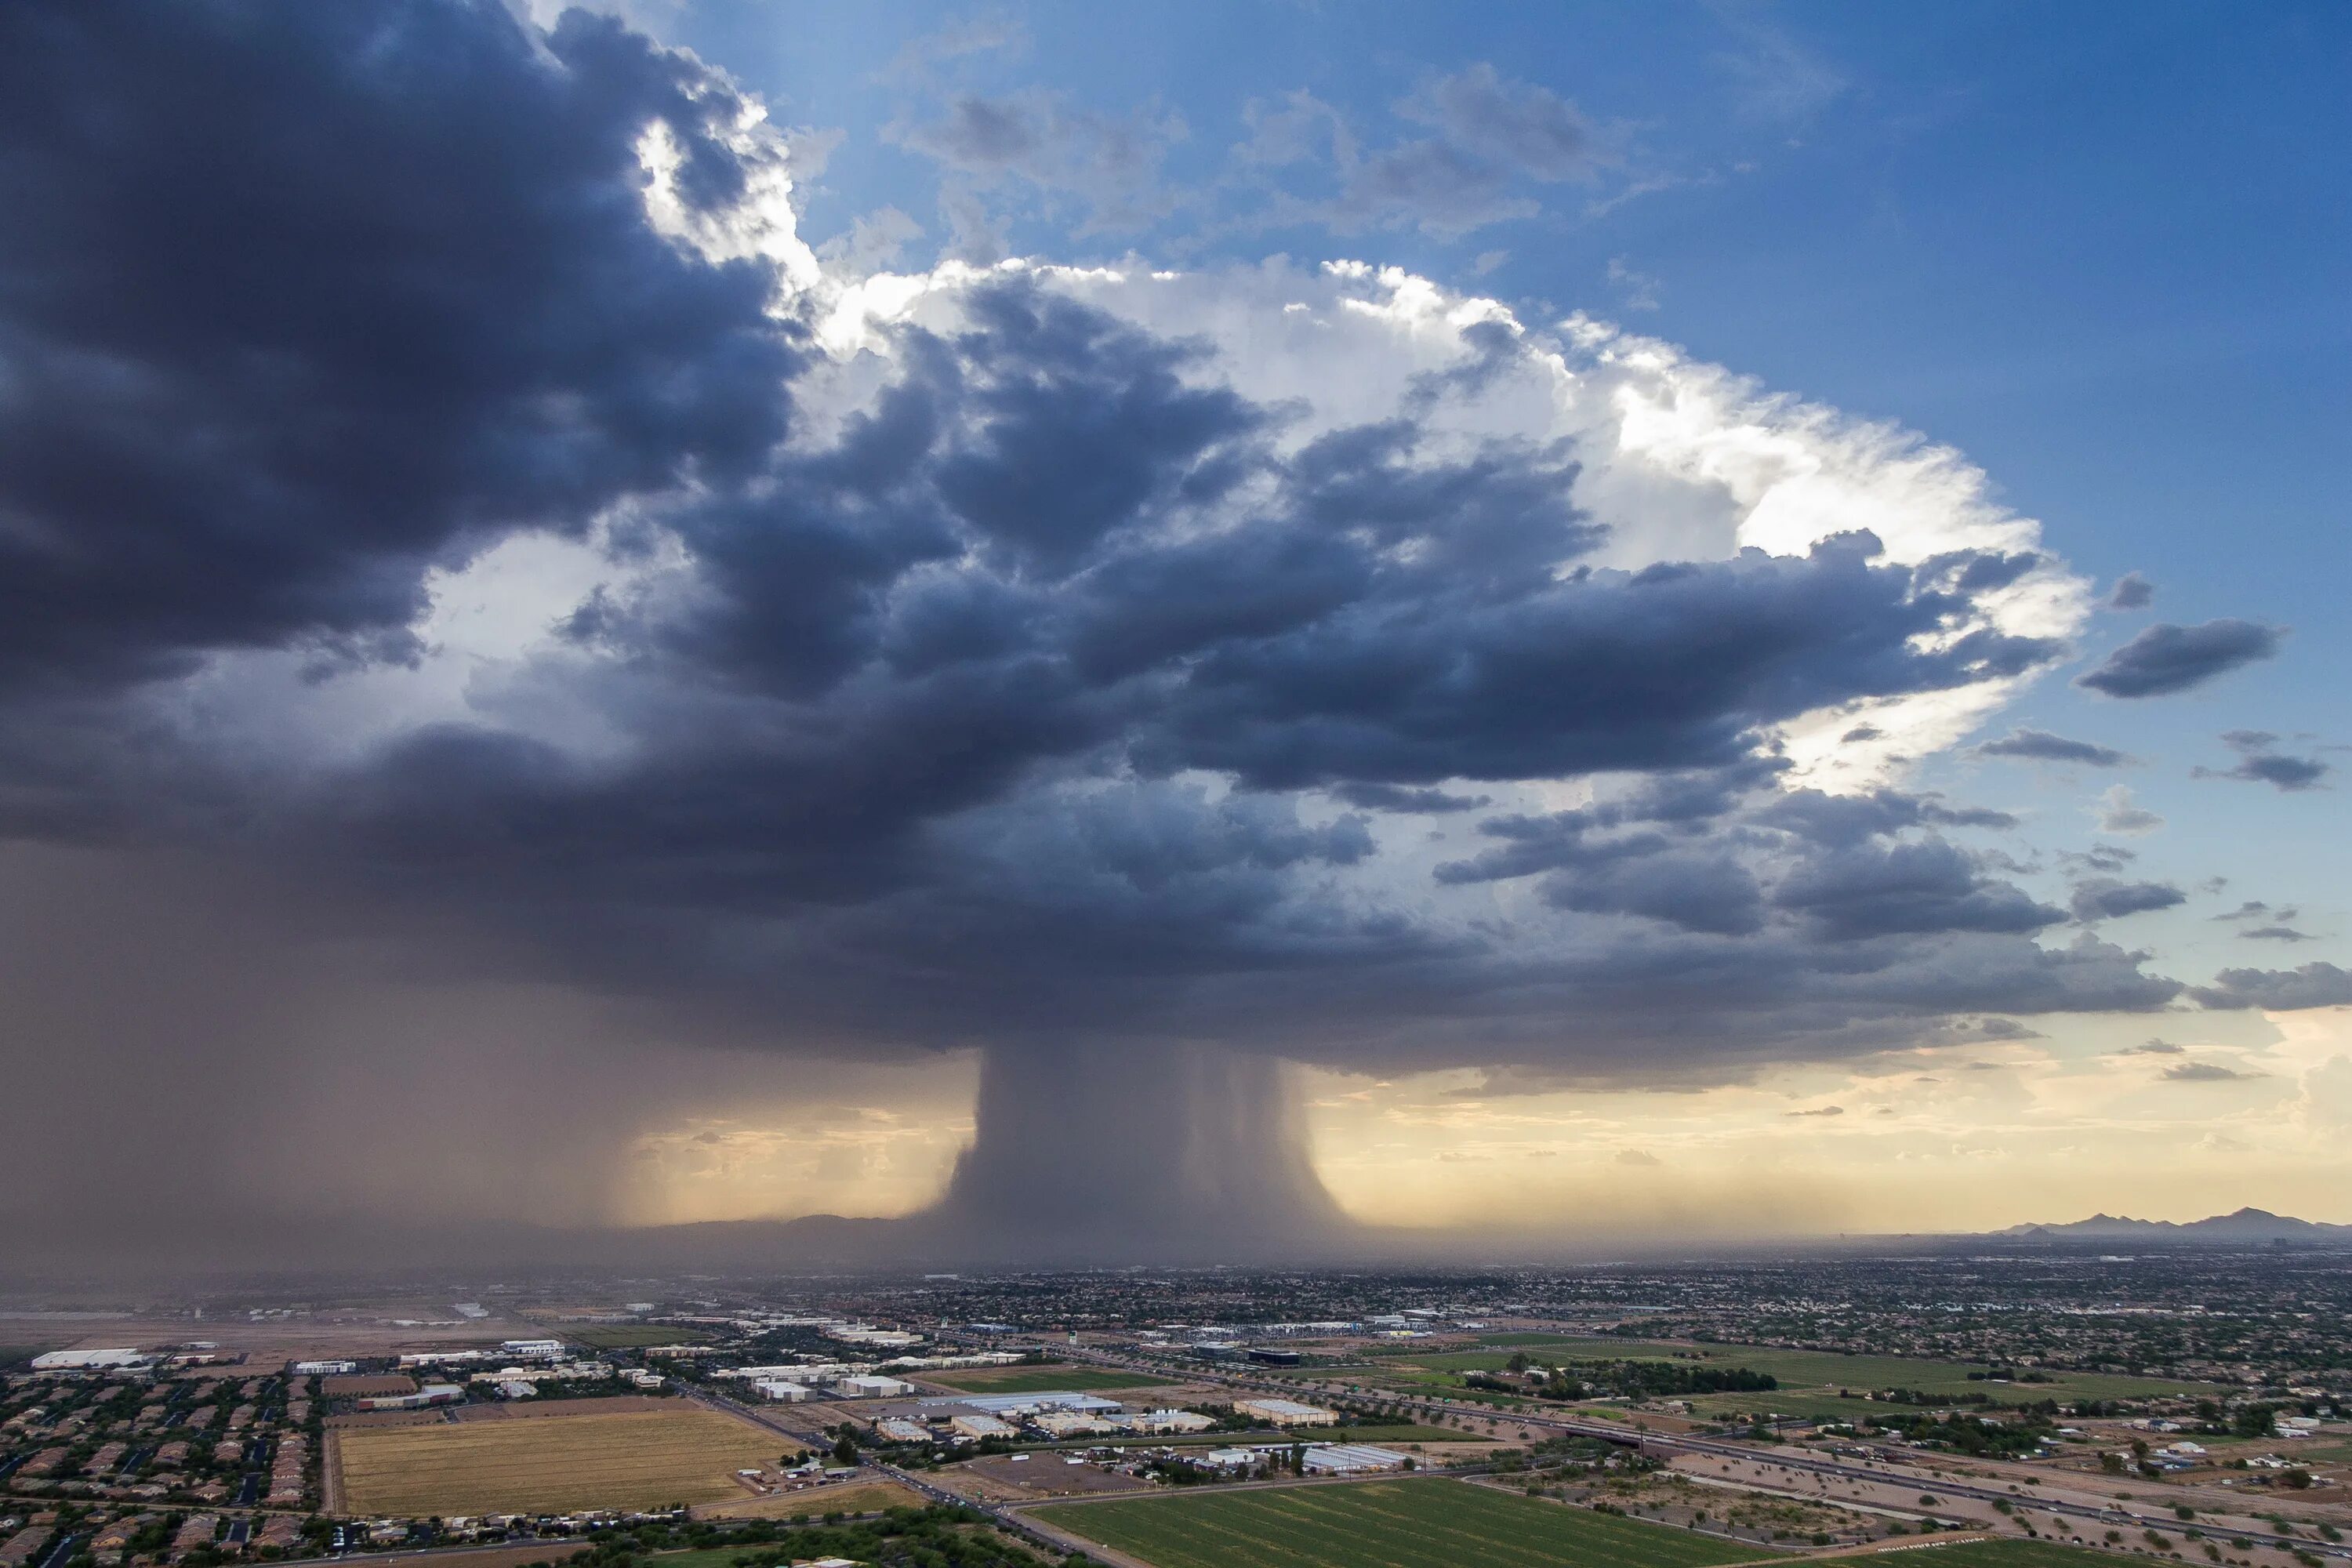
[1876,889]
[1424,802]
[1014,697]
[298,300]
[2105,899]
[2167,658]
[2315,984]
[2041,746]
[2259,763]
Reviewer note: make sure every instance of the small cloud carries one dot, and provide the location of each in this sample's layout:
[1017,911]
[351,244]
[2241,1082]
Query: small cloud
[2106,899]
[1636,1157]
[1397,798]
[2118,813]
[2041,746]
[2167,658]
[2220,1143]
[2274,933]
[1824,1110]
[2254,909]
[2132,591]
[2154,1049]
[1488,260]
[2315,985]
[1983,1066]
[1861,732]
[2206,1072]
[2259,764]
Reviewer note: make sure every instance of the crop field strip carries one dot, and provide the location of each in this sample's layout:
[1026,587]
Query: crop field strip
[553,1464]
[1431,1523]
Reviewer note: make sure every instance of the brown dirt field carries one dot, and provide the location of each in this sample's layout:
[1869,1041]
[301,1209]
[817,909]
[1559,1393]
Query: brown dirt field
[1001,1478]
[532,1409]
[681,1454]
[360,1385]
[383,1418]
[855,1497]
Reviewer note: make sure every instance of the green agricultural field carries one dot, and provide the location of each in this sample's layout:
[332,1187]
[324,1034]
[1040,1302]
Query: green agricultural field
[626,1336]
[1423,1523]
[1041,1379]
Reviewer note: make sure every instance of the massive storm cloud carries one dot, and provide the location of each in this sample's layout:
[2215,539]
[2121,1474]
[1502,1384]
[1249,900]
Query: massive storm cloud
[452,531]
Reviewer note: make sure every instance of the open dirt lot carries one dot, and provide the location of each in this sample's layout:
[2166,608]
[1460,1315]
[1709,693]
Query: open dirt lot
[635,1460]
[1001,1478]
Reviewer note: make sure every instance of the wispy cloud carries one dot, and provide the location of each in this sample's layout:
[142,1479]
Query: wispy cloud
[2259,762]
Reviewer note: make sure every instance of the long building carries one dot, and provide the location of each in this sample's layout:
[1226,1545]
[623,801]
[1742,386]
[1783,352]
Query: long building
[1285,1412]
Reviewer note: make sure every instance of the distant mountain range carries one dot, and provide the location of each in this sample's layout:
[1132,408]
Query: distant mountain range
[2246,1224]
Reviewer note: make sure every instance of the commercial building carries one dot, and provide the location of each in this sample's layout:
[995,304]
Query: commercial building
[1072,1423]
[1032,1404]
[532,1350]
[1168,1421]
[979,1426]
[1284,1413]
[871,1388]
[87,1361]
[431,1394]
[1349,1459]
[779,1390]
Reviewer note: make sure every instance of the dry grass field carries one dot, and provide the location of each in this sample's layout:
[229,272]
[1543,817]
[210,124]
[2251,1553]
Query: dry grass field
[553,1465]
